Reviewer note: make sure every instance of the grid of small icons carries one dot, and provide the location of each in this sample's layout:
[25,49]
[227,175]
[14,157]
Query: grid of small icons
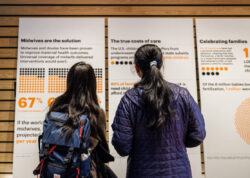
[121,62]
[213,71]
[99,77]
[31,80]
[57,80]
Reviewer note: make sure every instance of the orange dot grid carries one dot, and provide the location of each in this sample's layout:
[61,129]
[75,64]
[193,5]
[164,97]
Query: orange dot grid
[99,85]
[214,68]
[31,84]
[56,84]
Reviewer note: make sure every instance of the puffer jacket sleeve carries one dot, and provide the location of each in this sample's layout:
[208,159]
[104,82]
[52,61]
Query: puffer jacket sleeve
[196,127]
[122,127]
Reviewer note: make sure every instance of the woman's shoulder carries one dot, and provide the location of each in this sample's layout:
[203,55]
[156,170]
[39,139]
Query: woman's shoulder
[133,96]
[134,92]
[102,116]
[177,90]
[181,94]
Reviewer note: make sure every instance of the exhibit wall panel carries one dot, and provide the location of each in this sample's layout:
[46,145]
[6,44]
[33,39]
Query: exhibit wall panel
[175,38]
[47,48]
[222,46]
[12,10]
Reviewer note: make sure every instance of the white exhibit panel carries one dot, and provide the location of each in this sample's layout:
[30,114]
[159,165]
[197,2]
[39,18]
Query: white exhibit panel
[47,48]
[175,38]
[224,70]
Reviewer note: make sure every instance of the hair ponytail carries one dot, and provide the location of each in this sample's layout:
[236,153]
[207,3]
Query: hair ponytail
[157,96]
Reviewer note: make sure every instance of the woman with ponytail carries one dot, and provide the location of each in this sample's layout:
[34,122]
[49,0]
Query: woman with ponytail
[155,121]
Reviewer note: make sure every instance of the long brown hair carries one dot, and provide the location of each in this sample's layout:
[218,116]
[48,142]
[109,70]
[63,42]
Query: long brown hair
[79,98]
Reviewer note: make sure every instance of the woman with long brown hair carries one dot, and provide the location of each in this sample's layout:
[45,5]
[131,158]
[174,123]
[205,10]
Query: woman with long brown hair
[72,112]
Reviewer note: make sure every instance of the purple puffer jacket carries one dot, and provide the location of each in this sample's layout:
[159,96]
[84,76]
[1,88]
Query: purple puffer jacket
[162,152]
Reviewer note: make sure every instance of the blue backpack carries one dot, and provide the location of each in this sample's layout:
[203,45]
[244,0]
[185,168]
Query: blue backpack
[60,159]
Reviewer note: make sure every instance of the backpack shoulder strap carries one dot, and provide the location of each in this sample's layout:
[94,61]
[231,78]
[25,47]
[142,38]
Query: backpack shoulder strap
[69,155]
[68,161]
[45,152]
[40,137]
[84,127]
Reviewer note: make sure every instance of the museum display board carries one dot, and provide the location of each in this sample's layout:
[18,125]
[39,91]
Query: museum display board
[175,38]
[224,70]
[47,48]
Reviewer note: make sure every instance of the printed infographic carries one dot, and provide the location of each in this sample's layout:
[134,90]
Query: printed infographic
[224,70]
[47,48]
[175,38]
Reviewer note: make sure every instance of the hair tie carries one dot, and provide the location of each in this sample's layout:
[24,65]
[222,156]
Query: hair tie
[153,63]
